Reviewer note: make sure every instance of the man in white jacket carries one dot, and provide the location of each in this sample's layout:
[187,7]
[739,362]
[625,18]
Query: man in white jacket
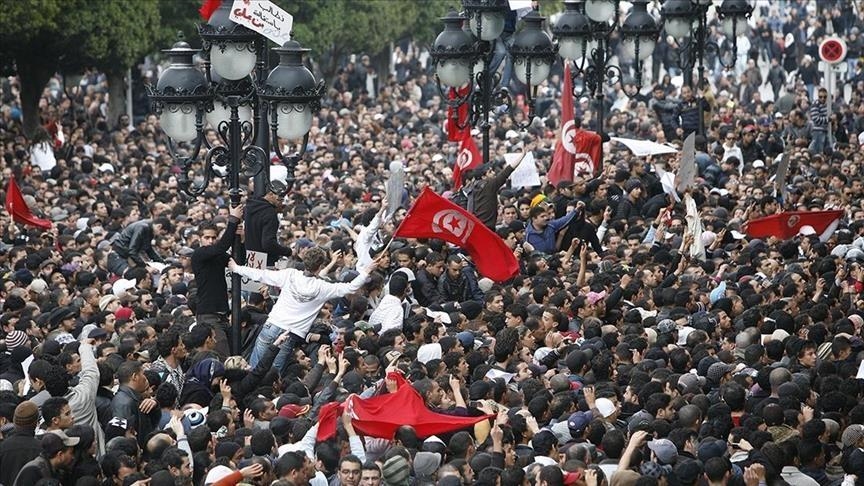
[303,294]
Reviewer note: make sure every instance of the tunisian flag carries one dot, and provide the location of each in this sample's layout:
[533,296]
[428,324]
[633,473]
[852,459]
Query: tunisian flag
[457,117]
[469,158]
[787,225]
[16,207]
[576,150]
[381,415]
[432,216]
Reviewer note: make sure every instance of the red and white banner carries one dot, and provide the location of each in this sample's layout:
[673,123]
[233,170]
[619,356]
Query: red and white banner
[788,224]
[577,151]
[432,216]
[469,158]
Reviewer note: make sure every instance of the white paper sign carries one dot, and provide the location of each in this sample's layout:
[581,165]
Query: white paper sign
[25,365]
[254,259]
[641,148]
[257,260]
[860,374]
[264,17]
[519,4]
[526,174]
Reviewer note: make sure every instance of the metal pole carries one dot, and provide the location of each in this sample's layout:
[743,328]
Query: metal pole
[601,58]
[262,132]
[486,95]
[700,49]
[234,148]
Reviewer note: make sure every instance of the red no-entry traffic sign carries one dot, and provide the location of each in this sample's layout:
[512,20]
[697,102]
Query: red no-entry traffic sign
[832,50]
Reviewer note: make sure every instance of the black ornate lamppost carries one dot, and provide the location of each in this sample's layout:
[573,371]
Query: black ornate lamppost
[584,32]
[687,22]
[463,55]
[234,95]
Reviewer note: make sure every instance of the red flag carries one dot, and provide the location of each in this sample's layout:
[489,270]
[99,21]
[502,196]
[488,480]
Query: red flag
[576,150]
[16,207]
[787,225]
[381,415]
[432,216]
[457,117]
[208,7]
[469,157]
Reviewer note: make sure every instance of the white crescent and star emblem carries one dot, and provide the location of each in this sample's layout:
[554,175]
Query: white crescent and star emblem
[464,159]
[568,134]
[454,222]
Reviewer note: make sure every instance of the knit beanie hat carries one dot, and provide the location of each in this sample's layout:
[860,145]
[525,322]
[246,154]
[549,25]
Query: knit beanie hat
[396,471]
[14,339]
[26,415]
[426,463]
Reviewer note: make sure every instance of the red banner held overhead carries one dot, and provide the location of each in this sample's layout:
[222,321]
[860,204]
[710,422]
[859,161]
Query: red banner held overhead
[432,216]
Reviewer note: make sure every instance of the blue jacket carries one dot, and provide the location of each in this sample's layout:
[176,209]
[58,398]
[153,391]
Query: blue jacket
[544,241]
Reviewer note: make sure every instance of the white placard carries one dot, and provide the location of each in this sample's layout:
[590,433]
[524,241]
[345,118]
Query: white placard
[25,365]
[254,259]
[860,374]
[257,260]
[641,148]
[519,4]
[264,17]
[526,174]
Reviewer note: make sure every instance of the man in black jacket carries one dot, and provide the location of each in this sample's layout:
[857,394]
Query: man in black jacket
[135,240]
[480,194]
[262,226]
[141,414]
[208,264]
[426,283]
[21,446]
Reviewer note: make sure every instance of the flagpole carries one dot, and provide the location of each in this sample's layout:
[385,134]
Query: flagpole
[408,213]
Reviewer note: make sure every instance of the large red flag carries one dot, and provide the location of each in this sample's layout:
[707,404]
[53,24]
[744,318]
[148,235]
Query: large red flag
[16,207]
[576,150]
[469,157]
[457,117]
[787,225]
[381,415]
[432,216]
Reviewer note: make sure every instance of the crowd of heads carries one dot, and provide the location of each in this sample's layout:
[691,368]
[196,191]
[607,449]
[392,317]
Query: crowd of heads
[627,361]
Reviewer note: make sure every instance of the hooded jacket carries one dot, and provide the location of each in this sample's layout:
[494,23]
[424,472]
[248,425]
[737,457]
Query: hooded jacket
[262,226]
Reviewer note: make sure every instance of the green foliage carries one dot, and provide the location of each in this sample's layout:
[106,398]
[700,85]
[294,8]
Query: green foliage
[73,34]
[336,27]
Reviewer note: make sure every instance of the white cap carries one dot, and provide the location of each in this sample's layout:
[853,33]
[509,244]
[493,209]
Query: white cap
[758,163]
[217,474]
[122,285]
[106,167]
[511,134]
[437,157]
[605,406]
[738,235]
[806,230]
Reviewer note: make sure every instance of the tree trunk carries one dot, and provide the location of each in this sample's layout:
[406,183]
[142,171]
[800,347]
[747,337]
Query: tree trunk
[34,76]
[116,95]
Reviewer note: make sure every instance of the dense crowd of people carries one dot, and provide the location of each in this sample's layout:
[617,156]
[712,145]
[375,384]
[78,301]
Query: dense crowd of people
[618,355]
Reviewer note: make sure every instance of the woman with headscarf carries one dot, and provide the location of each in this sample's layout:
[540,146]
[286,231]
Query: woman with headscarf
[200,380]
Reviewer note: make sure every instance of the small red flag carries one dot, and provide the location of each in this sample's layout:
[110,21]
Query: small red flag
[432,216]
[18,209]
[788,224]
[576,150]
[457,117]
[469,157]
[381,415]
[208,7]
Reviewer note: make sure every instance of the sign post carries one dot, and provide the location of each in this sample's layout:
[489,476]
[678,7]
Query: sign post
[832,51]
